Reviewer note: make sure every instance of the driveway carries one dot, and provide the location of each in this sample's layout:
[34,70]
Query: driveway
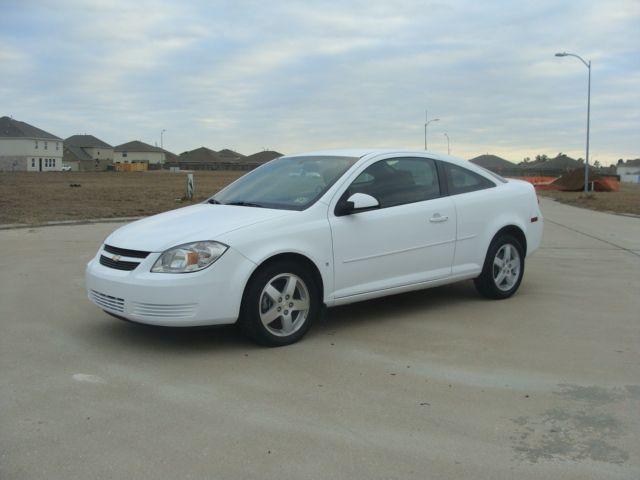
[433,384]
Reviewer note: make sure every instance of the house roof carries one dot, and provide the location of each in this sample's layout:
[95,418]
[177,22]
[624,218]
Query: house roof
[201,155]
[73,153]
[560,162]
[229,154]
[87,141]
[630,163]
[10,128]
[492,162]
[170,156]
[137,146]
[262,157]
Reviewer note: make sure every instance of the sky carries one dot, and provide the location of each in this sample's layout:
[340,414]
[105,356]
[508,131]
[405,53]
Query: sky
[309,75]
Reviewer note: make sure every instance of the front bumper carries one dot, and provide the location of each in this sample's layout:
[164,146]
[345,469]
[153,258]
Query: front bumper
[209,297]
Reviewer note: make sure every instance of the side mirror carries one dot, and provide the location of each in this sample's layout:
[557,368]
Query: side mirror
[356,203]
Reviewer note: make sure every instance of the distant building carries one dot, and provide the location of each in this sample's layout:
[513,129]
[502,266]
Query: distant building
[87,153]
[629,171]
[495,164]
[204,158]
[24,147]
[139,152]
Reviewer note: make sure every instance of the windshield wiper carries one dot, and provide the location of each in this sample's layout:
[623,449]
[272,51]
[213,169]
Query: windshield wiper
[245,204]
[213,201]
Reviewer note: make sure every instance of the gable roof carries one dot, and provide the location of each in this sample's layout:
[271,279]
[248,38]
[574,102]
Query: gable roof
[559,162]
[10,128]
[492,162]
[226,153]
[201,155]
[137,146]
[87,141]
[262,157]
[74,153]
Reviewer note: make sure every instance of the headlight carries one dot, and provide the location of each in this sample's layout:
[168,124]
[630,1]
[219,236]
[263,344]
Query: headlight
[189,257]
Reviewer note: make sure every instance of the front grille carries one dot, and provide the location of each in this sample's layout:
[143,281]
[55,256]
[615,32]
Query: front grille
[117,264]
[125,252]
[107,301]
[166,311]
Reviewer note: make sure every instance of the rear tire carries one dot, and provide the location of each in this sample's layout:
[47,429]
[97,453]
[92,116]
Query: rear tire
[503,268]
[279,305]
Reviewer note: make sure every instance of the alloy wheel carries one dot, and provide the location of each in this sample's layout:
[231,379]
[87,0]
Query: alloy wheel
[506,267]
[284,304]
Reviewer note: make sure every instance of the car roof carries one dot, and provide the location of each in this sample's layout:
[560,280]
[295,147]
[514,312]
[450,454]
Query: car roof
[361,153]
[368,152]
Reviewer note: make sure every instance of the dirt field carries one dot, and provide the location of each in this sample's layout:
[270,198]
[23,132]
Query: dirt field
[39,197]
[627,200]
[31,198]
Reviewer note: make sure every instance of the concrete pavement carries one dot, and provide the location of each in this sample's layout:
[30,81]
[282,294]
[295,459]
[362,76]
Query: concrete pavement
[433,384]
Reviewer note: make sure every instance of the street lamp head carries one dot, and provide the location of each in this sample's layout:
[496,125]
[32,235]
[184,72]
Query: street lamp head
[562,54]
[435,120]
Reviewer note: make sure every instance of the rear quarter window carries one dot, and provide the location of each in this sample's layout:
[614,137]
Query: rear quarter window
[461,180]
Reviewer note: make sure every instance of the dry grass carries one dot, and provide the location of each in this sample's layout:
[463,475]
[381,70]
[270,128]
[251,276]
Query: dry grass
[39,197]
[627,200]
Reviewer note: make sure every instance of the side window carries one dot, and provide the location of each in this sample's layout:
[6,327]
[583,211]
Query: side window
[397,181]
[461,180]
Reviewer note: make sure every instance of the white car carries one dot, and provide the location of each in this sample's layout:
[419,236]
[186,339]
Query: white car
[273,248]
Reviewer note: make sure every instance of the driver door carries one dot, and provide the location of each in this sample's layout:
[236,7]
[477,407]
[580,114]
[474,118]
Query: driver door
[409,239]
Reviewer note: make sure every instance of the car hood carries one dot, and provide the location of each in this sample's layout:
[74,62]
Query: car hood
[189,224]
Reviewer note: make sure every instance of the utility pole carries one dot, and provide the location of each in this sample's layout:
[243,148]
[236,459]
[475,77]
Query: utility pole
[426,125]
[588,65]
[162,138]
[448,143]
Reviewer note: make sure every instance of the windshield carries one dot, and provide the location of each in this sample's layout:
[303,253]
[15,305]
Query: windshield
[291,183]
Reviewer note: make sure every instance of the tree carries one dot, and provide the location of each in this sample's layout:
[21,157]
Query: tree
[526,160]
[596,164]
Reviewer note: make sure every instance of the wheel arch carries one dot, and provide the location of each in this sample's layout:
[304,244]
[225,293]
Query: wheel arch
[516,232]
[295,257]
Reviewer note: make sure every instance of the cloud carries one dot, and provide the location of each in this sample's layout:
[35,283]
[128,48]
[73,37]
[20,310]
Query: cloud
[300,76]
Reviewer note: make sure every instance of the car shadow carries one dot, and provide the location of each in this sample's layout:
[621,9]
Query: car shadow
[395,307]
[183,340]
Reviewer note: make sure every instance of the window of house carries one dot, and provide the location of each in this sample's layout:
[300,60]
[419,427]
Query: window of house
[54,162]
[36,143]
[398,181]
[124,154]
[33,162]
[461,180]
[57,145]
[45,145]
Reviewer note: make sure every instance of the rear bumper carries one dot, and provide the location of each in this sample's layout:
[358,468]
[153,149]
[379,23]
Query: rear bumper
[209,297]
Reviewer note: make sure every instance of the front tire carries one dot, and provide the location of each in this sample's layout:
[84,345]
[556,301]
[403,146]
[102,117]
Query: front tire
[280,303]
[503,268]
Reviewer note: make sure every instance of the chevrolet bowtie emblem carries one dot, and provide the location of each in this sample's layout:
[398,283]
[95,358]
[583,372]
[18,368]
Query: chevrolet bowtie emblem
[116,258]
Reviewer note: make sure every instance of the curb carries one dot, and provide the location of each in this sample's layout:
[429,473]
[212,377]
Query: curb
[14,226]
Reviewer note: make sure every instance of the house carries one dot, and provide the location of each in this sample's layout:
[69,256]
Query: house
[204,158]
[139,152]
[629,171]
[24,147]
[87,153]
[495,164]
[556,166]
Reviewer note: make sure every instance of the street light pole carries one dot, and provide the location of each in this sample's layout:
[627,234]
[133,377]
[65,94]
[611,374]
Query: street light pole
[162,138]
[448,143]
[426,124]
[588,65]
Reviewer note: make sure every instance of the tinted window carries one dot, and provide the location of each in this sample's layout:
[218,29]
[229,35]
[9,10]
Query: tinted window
[290,183]
[461,180]
[397,181]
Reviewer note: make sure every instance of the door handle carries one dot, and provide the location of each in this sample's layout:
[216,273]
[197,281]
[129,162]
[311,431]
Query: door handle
[437,218]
